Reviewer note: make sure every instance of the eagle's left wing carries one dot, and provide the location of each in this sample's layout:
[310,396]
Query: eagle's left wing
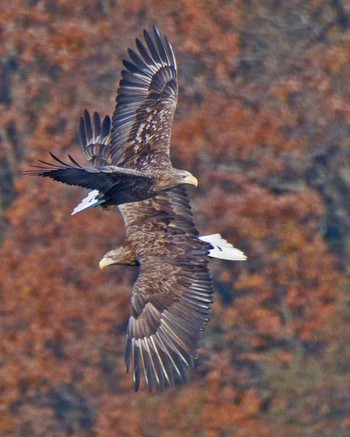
[110,184]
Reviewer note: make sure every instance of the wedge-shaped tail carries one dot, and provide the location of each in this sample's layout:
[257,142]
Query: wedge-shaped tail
[222,249]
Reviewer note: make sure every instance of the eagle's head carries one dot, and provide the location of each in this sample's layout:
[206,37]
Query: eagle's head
[118,256]
[185,177]
[171,178]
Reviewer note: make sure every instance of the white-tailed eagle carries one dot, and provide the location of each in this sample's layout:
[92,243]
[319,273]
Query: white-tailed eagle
[129,158]
[139,165]
[171,298]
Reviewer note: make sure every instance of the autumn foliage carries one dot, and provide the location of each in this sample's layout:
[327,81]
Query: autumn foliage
[263,122]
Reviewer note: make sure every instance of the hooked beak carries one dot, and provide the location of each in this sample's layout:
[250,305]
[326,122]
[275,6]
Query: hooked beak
[105,262]
[191,180]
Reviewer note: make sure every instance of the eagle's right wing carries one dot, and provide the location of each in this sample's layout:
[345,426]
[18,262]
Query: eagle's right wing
[173,293]
[145,105]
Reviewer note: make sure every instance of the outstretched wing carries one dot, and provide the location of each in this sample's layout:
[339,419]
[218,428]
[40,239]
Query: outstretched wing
[172,296]
[110,184]
[95,140]
[102,178]
[145,105]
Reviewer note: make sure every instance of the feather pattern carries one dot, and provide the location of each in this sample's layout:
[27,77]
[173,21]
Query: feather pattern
[171,298]
[145,105]
[95,139]
[130,156]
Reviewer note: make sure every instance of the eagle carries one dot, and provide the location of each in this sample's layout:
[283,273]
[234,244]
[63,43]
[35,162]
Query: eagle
[131,168]
[171,298]
[139,134]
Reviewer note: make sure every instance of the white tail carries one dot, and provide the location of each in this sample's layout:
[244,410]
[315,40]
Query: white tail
[88,202]
[222,249]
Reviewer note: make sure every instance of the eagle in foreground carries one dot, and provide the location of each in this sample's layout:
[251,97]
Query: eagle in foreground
[171,298]
[139,165]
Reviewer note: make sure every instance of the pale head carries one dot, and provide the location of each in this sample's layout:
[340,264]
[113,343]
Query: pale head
[118,256]
[169,179]
[185,177]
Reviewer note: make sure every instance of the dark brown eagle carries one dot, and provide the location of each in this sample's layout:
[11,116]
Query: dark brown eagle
[139,165]
[171,298]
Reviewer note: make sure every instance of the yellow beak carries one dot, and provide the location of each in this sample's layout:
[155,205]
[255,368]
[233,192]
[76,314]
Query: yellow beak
[192,180]
[105,262]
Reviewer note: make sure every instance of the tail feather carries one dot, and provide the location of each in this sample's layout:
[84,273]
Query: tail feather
[90,201]
[222,249]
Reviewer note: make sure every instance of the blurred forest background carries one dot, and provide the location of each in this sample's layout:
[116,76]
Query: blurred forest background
[263,120]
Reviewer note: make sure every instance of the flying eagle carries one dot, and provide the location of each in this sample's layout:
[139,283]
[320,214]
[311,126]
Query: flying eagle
[139,166]
[171,298]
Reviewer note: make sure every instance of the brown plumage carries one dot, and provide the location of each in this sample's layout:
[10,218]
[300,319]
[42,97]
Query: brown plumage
[137,166]
[171,298]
